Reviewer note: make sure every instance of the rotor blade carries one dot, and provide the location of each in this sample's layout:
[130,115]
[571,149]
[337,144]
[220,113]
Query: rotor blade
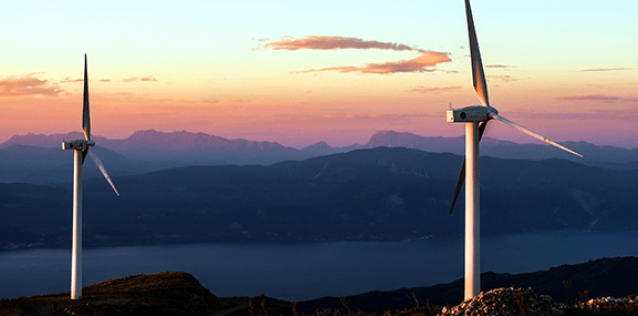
[84,152]
[459,183]
[101,167]
[86,117]
[477,65]
[535,135]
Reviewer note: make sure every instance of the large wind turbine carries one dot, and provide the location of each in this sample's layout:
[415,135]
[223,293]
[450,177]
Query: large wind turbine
[475,119]
[81,149]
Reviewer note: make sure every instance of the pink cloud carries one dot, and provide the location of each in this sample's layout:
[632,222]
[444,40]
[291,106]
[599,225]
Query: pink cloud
[27,85]
[105,80]
[504,67]
[333,42]
[69,80]
[597,97]
[419,64]
[436,90]
[210,101]
[131,79]
[605,69]
[505,78]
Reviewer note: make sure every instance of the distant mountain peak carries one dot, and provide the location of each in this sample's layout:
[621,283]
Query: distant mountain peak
[183,137]
[318,145]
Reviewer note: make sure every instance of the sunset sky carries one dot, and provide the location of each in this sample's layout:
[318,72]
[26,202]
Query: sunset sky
[298,72]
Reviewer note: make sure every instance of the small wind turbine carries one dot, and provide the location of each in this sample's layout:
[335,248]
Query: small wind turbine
[475,119]
[81,149]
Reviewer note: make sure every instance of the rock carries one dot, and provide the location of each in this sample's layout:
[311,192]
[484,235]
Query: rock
[505,301]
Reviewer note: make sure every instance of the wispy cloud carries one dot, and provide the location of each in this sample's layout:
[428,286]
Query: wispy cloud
[628,115]
[436,90]
[131,79]
[105,80]
[28,85]
[372,118]
[504,78]
[419,64]
[333,42]
[260,39]
[423,63]
[605,69]
[506,67]
[210,101]
[597,97]
[69,80]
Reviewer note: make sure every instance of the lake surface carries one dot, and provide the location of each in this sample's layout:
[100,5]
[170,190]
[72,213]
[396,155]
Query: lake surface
[300,271]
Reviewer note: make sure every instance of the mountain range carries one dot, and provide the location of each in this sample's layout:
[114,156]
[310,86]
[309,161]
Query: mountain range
[370,194]
[605,156]
[38,159]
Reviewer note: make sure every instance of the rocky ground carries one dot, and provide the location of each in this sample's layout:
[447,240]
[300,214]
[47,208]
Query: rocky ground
[178,293]
[524,302]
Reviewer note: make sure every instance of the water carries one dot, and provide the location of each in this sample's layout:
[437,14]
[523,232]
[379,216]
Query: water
[299,271]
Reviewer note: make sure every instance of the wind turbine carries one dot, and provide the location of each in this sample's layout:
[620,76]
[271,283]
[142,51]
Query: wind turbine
[475,119]
[81,149]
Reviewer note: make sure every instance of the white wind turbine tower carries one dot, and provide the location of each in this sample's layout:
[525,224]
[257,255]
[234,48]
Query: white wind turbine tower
[81,148]
[475,119]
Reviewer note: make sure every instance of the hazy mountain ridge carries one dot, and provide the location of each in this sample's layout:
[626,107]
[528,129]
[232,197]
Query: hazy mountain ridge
[179,147]
[42,140]
[48,165]
[183,147]
[602,156]
[373,194]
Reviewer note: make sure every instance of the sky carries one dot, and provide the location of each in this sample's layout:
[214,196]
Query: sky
[299,72]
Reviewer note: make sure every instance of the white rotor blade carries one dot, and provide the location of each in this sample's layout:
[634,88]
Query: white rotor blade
[101,167]
[535,135]
[86,117]
[477,64]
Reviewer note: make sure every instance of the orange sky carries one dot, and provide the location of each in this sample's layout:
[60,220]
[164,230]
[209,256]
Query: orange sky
[269,76]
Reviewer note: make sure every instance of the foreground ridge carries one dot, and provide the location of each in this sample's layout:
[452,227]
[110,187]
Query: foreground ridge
[179,293]
[505,301]
[518,301]
[166,293]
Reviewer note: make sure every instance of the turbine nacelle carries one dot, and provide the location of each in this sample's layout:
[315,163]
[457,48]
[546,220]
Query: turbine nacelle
[474,113]
[79,144]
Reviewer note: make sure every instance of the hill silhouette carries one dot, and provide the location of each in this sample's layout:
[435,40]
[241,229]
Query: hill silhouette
[179,293]
[605,277]
[167,293]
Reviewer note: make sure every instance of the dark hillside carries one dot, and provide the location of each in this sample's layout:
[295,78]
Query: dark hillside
[602,287]
[167,293]
[615,277]
[380,194]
